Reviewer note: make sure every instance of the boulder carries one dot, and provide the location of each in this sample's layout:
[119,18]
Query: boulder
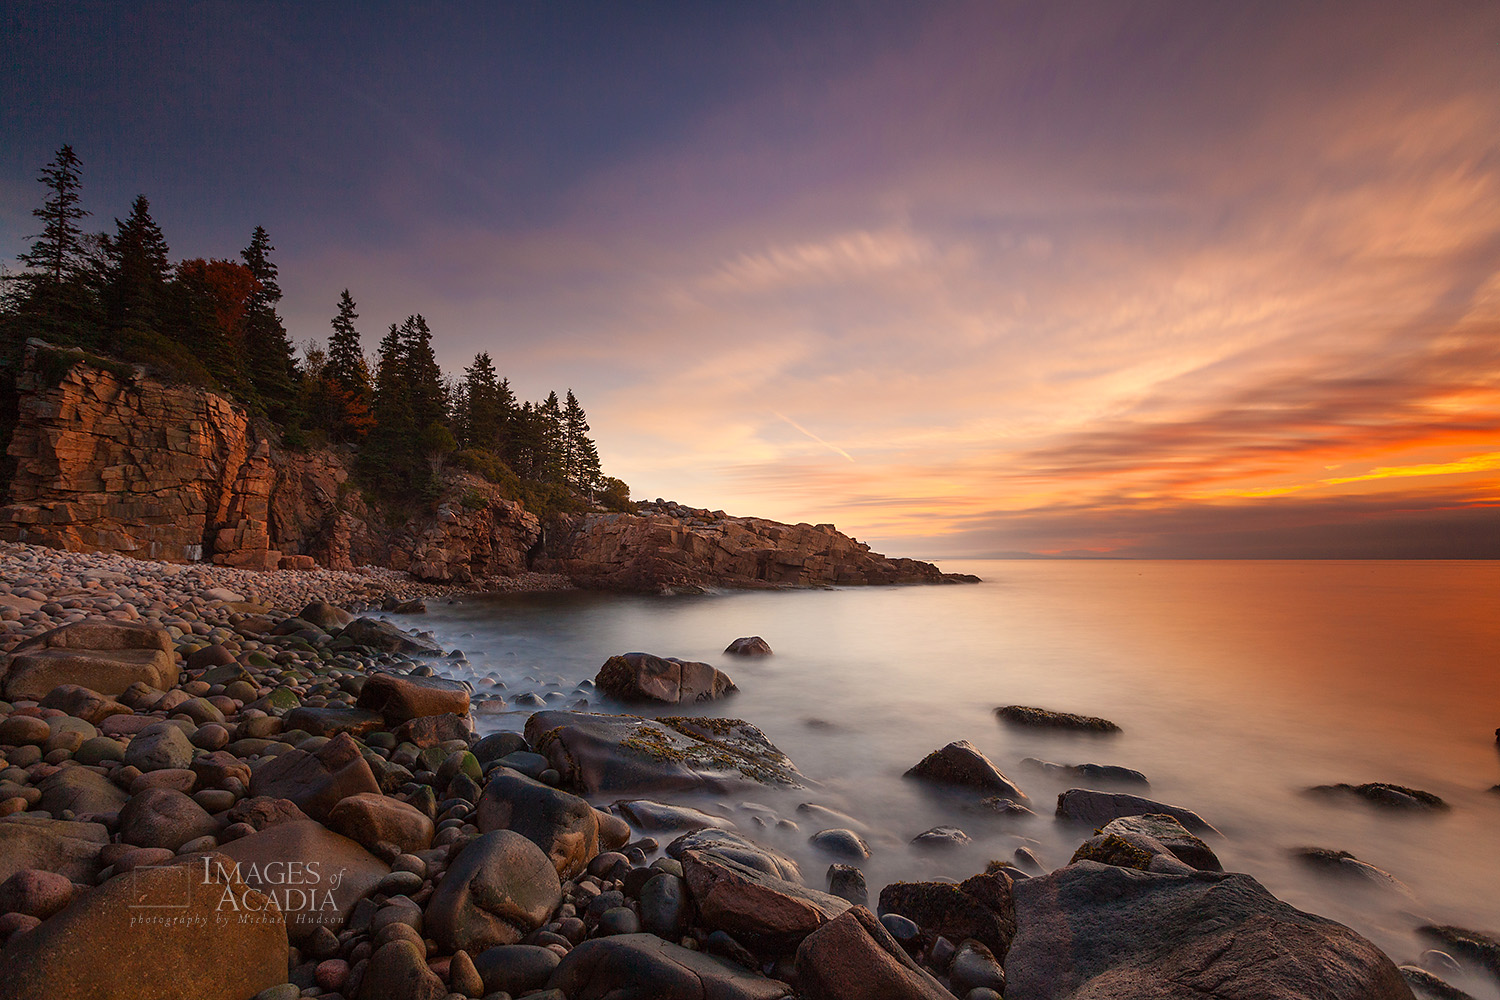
[261,811]
[962,764]
[1170,834]
[331,720]
[51,845]
[154,932]
[430,730]
[400,697]
[564,826]
[387,638]
[80,791]
[980,907]
[35,892]
[1343,865]
[644,967]
[517,969]
[314,875]
[1044,718]
[1382,793]
[106,657]
[1091,931]
[164,817]
[1096,809]
[626,753]
[159,746]
[398,971]
[1475,946]
[853,957]
[372,819]
[644,677]
[644,814]
[318,781]
[729,844]
[328,617]
[83,703]
[1093,773]
[219,769]
[499,888]
[750,645]
[736,898]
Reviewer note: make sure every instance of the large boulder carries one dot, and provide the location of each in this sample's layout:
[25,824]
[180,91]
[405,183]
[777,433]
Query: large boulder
[318,781]
[165,933]
[1044,718]
[331,720]
[500,888]
[853,957]
[644,677]
[749,645]
[626,753]
[164,817]
[734,897]
[564,826]
[372,819]
[83,703]
[387,638]
[963,765]
[51,845]
[980,907]
[160,746]
[1095,809]
[398,970]
[106,657]
[644,967]
[1170,834]
[328,617]
[1091,932]
[400,697]
[728,844]
[80,791]
[314,875]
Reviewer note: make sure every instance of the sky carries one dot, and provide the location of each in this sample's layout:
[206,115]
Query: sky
[1153,279]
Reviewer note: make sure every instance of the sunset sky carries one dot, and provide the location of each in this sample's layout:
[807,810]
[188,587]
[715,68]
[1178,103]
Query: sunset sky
[1133,279]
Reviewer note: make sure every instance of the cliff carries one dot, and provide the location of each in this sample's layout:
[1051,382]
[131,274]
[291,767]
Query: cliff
[109,459]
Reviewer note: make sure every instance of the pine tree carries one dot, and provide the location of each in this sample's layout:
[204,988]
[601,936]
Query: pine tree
[551,458]
[136,283]
[483,417]
[424,379]
[268,351]
[346,356]
[580,456]
[58,256]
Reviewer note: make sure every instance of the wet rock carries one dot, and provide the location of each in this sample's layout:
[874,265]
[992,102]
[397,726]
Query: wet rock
[402,697]
[318,781]
[941,838]
[1022,715]
[644,967]
[325,616]
[498,745]
[840,843]
[316,876]
[853,957]
[626,753]
[1427,984]
[1092,773]
[1474,946]
[1130,850]
[398,971]
[387,638]
[517,969]
[1381,793]
[963,765]
[980,907]
[262,811]
[564,826]
[729,844]
[68,848]
[973,968]
[996,807]
[81,792]
[644,814]
[1091,930]
[848,882]
[499,888]
[330,720]
[1095,809]
[734,897]
[752,645]
[666,906]
[371,819]
[106,657]
[164,817]
[1342,864]
[1171,834]
[35,892]
[430,730]
[196,957]
[644,677]
[824,817]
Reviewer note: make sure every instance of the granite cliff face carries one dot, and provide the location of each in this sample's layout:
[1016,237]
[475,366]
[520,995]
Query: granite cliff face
[109,459]
[669,547]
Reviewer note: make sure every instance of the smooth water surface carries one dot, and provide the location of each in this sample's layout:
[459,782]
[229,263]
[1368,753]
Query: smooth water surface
[1238,685]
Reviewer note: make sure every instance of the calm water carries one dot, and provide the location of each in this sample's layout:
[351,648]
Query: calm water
[1238,684]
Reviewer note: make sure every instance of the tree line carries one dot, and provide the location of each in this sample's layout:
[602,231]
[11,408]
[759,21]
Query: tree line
[215,323]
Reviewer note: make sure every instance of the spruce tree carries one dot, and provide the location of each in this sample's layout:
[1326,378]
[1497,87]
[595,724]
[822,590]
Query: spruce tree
[482,415]
[346,355]
[580,456]
[424,379]
[551,435]
[58,257]
[136,283]
[268,350]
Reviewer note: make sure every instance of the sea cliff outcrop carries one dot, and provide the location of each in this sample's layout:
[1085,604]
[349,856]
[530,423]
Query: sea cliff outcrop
[108,459]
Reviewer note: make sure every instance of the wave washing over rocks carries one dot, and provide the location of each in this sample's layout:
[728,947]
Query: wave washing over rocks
[233,787]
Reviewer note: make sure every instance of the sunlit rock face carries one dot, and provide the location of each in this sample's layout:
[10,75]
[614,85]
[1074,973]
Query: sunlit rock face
[668,547]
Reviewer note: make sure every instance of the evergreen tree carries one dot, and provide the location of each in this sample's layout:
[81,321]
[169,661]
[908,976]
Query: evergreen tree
[57,287]
[424,379]
[136,282]
[209,300]
[550,465]
[580,456]
[268,351]
[484,414]
[346,356]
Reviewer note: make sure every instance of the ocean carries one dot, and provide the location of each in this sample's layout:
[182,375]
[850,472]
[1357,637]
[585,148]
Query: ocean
[1237,685]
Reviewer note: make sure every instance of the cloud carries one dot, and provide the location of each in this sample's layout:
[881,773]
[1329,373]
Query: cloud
[844,257]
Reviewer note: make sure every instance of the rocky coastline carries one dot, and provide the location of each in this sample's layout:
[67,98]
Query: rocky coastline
[242,784]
